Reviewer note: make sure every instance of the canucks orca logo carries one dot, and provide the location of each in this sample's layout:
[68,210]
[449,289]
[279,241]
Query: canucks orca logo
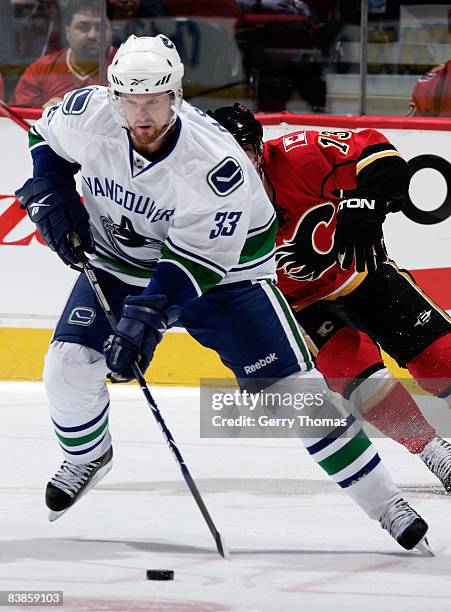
[125,235]
[301,258]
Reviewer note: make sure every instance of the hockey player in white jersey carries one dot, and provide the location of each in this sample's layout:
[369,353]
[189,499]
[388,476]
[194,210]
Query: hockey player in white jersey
[177,225]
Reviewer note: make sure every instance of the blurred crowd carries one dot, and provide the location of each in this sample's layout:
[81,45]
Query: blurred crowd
[286,47]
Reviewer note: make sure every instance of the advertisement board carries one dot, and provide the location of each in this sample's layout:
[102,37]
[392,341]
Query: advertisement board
[35,283]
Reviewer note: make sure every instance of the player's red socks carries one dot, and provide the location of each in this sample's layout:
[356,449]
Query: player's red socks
[432,367]
[398,417]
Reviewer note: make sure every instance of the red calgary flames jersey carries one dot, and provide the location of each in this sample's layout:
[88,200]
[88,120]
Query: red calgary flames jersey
[432,93]
[47,80]
[304,169]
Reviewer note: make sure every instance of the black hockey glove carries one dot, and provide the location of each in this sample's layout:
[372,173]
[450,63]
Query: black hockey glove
[143,321]
[358,234]
[57,210]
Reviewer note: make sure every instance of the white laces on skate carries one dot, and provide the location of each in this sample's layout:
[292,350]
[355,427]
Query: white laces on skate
[397,518]
[437,456]
[70,478]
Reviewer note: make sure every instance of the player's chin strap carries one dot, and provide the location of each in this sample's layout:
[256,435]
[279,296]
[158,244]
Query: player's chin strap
[92,278]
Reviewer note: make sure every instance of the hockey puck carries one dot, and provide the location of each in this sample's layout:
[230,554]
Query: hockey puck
[160,574]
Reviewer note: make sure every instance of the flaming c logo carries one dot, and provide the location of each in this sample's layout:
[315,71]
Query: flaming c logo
[304,256]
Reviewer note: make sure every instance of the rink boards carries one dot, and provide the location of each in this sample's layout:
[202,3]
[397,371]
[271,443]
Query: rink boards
[35,283]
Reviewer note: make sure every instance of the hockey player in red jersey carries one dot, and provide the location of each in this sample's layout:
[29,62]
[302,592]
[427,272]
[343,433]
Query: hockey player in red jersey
[332,191]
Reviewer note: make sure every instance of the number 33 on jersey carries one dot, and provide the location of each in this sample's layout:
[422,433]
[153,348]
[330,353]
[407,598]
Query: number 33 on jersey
[220,229]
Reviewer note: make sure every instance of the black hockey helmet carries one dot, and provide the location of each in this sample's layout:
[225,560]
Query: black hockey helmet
[243,126]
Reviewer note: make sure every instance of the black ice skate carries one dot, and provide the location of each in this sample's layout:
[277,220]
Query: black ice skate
[437,456]
[406,526]
[72,481]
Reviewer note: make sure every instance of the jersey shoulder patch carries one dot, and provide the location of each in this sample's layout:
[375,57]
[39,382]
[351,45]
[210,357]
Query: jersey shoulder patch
[227,176]
[76,102]
[294,140]
[87,110]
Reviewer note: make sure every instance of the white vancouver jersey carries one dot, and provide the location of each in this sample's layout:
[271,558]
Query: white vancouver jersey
[201,205]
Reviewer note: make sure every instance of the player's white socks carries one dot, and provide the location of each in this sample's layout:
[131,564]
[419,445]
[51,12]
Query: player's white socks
[74,378]
[344,451]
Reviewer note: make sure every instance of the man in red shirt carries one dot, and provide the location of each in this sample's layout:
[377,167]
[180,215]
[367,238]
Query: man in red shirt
[431,96]
[45,82]
[332,191]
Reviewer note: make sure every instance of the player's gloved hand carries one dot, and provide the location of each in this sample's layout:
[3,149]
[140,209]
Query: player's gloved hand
[56,209]
[358,234]
[143,321]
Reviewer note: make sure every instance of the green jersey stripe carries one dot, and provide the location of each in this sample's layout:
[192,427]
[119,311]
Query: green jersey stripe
[346,455]
[34,138]
[204,277]
[120,266]
[83,439]
[293,326]
[259,245]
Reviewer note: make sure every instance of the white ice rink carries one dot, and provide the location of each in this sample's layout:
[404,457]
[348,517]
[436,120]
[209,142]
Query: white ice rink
[297,542]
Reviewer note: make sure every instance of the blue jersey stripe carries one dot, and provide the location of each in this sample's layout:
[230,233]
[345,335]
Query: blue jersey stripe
[336,433]
[262,227]
[197,257]
[257,263]
[85,425]
[369,467]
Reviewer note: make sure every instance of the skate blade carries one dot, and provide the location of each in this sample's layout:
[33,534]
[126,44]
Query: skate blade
[54,515]
[423,547]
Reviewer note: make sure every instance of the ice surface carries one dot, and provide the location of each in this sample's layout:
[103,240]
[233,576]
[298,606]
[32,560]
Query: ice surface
[297,542]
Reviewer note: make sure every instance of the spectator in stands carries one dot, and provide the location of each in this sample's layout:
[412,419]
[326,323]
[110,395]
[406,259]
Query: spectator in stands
[47,80]
[6,19]
[132,17]
[126,9]
[29,29]
[35,30]
[326,16]
[281,54]
[431,96]
[203,8]
[286,7]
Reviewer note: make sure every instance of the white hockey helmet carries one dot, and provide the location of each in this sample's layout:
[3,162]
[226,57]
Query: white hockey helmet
[146,64]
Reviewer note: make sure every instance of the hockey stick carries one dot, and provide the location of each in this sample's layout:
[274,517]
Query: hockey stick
[91,276]
[14,116]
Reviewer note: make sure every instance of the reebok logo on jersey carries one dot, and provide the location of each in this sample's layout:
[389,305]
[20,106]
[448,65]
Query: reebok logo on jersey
[357,203]
[226,177]
[423,317]
[294,140]
[261,363]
